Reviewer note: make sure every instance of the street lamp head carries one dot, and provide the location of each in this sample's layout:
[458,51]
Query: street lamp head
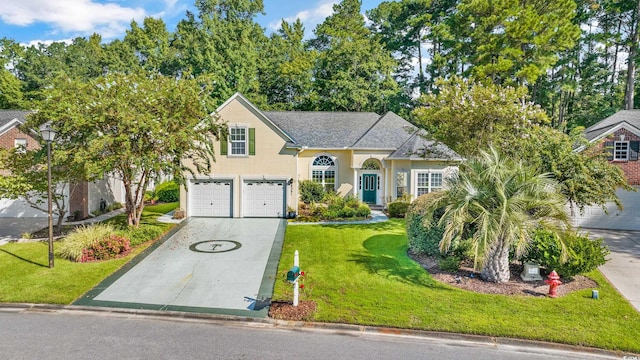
[47,132]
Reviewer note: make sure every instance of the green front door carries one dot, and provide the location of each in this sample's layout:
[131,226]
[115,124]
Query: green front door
[369,188]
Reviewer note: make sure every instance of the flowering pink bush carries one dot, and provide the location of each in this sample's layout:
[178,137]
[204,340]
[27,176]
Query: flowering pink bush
[106,249]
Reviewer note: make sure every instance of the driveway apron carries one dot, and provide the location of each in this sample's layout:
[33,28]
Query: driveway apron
[210,265]
[623,266]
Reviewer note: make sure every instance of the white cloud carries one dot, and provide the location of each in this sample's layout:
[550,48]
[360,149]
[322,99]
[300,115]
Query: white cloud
[310,17]
[72,16]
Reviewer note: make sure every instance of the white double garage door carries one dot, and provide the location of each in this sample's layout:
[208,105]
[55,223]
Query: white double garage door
[259,198]
[627,219]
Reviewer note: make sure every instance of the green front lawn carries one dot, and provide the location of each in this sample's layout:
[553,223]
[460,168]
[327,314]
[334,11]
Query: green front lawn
[361,274]
[26,276]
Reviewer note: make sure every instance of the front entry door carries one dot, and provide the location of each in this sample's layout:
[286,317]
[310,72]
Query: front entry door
[369,189]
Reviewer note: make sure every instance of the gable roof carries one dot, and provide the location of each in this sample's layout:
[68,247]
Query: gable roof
[11,118]
[389,132]
[420,146]
[629,119]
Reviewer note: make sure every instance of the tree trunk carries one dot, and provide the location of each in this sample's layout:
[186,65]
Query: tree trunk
[496,263]
[631,61]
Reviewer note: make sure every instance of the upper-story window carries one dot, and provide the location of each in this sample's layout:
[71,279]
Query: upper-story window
[323,171]
[20,145]
[238,140]
[621,150]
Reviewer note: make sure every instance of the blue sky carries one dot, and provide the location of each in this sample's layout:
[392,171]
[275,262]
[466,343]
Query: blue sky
[31,21]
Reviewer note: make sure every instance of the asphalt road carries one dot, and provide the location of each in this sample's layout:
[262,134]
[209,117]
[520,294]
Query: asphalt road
[60,335]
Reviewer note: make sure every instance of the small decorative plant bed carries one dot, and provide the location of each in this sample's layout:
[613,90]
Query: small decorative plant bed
[467,279]
[284,310]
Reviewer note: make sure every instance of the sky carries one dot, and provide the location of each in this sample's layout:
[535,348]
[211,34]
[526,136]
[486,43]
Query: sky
[32,21]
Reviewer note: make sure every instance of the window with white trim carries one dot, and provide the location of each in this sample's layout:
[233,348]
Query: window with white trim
[323,171]
[238,140]
[621,150]
[20,145]
[427,182]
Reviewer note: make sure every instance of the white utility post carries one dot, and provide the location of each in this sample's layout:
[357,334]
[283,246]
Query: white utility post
[296,262]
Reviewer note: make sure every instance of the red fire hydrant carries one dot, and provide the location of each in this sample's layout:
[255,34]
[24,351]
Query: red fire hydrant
[553,280]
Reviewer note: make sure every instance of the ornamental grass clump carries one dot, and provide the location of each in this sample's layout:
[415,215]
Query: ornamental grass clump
[82,238]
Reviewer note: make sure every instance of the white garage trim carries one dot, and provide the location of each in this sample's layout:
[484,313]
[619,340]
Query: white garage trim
[264,198]
[210,198]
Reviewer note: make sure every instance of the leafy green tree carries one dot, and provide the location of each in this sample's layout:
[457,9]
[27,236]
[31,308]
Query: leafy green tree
[151,45]
[11,96]
[468,116]
[25,177]
[513,42]
[223,45]
[498,203]
[585,177]
[138,127]
[353,71]
[286,78]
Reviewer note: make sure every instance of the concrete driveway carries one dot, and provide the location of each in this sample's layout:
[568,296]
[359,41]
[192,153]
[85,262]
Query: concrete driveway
[624,267]
[12,228]
[212,265]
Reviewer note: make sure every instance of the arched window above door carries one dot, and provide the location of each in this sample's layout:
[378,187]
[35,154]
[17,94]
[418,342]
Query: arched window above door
[371,164]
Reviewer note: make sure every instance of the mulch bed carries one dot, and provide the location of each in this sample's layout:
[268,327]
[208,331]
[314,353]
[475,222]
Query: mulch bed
[467,279]
[284,310]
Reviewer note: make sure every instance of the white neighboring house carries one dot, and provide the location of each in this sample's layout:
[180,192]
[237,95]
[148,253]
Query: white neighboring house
[86,196]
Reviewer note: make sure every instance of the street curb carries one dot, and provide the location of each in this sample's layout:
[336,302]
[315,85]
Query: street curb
[338,328]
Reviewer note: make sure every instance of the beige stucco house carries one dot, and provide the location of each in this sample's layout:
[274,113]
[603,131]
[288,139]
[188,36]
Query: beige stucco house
[259,166]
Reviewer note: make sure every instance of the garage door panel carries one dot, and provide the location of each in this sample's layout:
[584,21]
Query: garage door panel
[264,199]
[211,198]
[627,219]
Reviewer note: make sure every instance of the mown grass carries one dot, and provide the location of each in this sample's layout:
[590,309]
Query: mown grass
[26,277]
[361,274]
[162,208]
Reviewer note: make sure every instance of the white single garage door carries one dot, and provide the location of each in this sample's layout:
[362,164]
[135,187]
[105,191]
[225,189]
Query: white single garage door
[263,198]
[210,198]
[627,219]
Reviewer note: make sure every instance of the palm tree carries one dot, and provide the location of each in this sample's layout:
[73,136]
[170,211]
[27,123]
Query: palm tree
[498,203]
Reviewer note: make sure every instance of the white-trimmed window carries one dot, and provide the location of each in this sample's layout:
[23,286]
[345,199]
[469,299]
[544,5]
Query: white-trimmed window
[323,171]
[238,140]
[20,145]
[427,182]
[621,150]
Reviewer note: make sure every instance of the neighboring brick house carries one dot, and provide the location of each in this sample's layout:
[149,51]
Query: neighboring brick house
[619,134]
[85,197]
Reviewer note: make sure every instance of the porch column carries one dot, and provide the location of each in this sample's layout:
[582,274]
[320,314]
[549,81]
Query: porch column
[355,183]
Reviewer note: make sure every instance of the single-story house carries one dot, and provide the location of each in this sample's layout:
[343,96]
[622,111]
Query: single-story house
[85,196]
[259,166]
[620,135]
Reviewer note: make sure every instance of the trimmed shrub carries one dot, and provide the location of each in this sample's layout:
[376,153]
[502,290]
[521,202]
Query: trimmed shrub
[168,191]
[449,264]
[583,253]
[106,249]
[83,238]
[398,209]
[311,191]
[363,210]
[424,235]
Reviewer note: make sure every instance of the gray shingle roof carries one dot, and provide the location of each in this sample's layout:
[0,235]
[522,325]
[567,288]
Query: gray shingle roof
[7,116]
[632,117]
[324,130]
[389,132]
[420,147]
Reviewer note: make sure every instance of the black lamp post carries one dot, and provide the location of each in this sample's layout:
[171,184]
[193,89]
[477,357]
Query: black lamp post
[48,134]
